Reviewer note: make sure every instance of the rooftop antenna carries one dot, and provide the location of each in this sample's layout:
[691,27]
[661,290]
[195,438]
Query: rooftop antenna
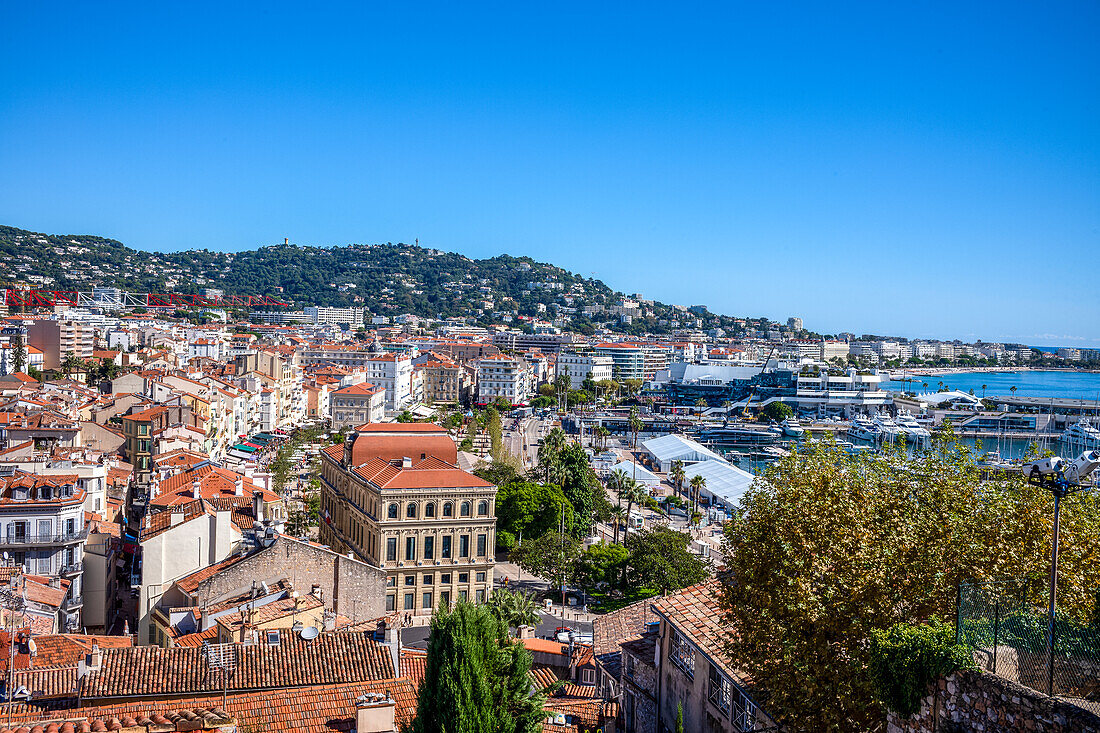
[221,657]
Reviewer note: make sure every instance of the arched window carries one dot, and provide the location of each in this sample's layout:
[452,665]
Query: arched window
[429,509]
[448,509]
[483,508]
[410,510]
[391,511]
[464,510]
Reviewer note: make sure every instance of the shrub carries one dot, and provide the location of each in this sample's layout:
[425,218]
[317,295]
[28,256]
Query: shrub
[905,659]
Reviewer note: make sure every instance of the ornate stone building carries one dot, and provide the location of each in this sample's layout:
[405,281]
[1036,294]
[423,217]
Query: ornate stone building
[393,497]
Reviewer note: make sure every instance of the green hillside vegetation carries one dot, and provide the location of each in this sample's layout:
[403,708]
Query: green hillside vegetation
[387,279]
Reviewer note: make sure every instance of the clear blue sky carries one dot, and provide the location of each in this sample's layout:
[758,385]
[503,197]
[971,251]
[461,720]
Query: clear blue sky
[922,169]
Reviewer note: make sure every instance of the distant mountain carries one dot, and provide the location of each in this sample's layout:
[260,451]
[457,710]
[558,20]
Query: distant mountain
[387,279]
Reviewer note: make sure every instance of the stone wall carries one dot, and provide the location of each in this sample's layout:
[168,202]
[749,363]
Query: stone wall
[351,587]
[977,701]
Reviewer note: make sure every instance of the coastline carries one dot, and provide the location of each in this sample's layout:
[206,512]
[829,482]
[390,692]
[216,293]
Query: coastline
[939,371]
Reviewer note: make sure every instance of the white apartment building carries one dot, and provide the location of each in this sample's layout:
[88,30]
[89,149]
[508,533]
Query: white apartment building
[502,376]
[335,316]
[579,367]
[393,372]
[42,528]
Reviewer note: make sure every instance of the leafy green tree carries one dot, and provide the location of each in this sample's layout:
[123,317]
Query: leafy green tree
[601,564]
[679,717]
[892,536]
[631,492]
[906,659]
[527,509]
[550,557]
[476,677]
[659,558]
[777,411]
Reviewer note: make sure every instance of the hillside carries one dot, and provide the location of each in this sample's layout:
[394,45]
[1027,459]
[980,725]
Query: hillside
[387,279]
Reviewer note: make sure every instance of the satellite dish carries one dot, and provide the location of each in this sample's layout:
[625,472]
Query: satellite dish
[310,632]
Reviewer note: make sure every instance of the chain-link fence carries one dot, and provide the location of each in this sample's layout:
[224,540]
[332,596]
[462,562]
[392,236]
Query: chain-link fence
[1007,626]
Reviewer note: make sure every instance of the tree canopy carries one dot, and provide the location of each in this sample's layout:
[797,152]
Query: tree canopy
[476,677]
[829,548]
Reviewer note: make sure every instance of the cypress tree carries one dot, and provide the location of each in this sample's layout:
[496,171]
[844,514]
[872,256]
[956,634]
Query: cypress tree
[476,677]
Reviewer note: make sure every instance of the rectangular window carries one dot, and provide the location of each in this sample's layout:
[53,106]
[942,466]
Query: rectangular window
[390,603]
[428,578]
[744,711]
[446,549]
[719,690]
[445,598]
[410,548]
[445,578]
[681,652]
[409,602]
[464,545]
[480,577]
[480,595]
[481,545]
[463,577]
[463,595]
[427,601]
[391,581]
[429,548]
[410,580]
[391,549]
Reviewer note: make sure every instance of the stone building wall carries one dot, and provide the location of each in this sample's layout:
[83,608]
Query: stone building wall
[976,701]
[351,587]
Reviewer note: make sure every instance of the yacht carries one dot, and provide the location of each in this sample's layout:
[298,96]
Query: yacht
[914,431]
[1082,434]
[792,428]
[863,429]
[889,431]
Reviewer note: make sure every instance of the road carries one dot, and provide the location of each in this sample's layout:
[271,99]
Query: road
[521,438]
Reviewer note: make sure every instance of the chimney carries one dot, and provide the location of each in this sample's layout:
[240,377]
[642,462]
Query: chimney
[374,713]
[525,632]
[196,489]
[176,518]
[238,486]
[257,506]
[406,462]
[316,592]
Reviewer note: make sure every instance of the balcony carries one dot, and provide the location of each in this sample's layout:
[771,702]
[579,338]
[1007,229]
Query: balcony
[72,604]
[15,539]
[72,568]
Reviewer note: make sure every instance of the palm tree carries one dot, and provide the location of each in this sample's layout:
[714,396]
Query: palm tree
[549,453]
[635,423]
[514,608]
[633,492]
[1012,389]
[71,363]
[700,405]
[676,473]
[697,485]
[983,391]
[618,517]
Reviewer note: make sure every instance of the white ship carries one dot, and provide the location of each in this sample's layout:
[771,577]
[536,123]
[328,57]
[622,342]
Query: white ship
[915,433]
[1082,434]
[863,429]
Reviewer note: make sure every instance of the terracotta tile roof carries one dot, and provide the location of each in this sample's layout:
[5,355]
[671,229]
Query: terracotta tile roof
[543,676]
[214,483]
[585,713]
[414,662]
[270,612]
[198,638]
[313,709]
[155,524]
[295,662]
[436,474]
[48,682]
[695,613]
[611,630]
[363,388]
[68,649]
[190,583]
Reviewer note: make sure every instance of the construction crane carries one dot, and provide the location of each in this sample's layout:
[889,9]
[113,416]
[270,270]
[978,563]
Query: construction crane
[15,297]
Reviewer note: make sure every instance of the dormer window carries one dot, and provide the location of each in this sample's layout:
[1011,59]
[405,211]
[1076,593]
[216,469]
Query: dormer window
[45,493]
[20,493]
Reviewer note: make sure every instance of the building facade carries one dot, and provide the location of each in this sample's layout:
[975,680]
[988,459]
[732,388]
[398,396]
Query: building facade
[502,376]
[579,367]
[391,498]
